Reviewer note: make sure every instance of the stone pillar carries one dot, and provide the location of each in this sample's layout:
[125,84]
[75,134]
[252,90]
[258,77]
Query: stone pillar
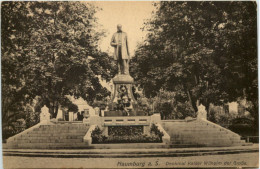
[45,115]
[202,113]
[97,110]
[155,118]
[146,130]
[71,116]
[105,131]
[95,120]
[102,113]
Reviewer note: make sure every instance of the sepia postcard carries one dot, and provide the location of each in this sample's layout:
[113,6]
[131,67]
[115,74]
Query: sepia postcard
[129,84]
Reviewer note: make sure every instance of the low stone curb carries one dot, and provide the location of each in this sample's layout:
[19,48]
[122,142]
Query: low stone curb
[129,153]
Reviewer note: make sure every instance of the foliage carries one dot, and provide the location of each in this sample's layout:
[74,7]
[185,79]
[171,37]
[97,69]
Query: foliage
[241,120]
[133,139]
[143,105]
[171,105]
[32,117]
[96,135]
[205,52]
[132,135]
[125,130]
[13,128]
[51,52]
[155,131]
[243,126]
[222,119]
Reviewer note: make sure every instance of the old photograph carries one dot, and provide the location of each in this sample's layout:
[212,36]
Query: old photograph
[129,84]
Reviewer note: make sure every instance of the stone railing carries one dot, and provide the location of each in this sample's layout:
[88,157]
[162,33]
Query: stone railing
[87,138]
[166,138]
[126,120]
[217,126]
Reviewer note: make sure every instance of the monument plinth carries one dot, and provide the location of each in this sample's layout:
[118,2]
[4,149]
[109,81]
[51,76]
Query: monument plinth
[122,98]
[123,79]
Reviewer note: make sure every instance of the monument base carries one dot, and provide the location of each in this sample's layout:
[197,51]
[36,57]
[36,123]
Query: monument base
[122,98]
[123,79]
[176,133]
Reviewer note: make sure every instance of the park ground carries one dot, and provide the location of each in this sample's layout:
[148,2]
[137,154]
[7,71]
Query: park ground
[226,160]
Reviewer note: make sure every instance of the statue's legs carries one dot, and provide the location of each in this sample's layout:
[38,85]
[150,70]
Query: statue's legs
[120,61]
[126,66]
[119,67]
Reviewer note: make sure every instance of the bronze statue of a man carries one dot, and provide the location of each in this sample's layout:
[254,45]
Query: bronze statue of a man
[121,55]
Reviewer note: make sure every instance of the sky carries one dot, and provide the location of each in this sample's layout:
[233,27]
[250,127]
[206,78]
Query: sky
[130,14]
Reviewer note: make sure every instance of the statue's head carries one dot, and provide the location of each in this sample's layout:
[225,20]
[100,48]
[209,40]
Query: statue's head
[119,27]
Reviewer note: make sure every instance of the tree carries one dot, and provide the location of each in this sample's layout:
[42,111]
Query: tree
[52,52]
[205,51]
[14,96]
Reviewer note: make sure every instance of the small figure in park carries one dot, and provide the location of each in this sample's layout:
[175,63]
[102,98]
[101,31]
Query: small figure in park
[121,55]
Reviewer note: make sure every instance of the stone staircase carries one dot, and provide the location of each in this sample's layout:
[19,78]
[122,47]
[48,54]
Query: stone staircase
[50,136]
[181,133]
[200,133]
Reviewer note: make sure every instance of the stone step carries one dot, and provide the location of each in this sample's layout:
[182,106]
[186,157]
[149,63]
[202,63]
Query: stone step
[207,135]
[54,137]
[196,135]
[51,140]
[200,138]
[199,129]
[201,133]
[50,145]
[59,131]
[61,128]
[53,134]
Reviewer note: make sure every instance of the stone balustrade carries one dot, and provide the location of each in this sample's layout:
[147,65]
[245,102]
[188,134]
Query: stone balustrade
[126,120]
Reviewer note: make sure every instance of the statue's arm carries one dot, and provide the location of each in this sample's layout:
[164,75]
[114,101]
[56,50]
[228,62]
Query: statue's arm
[112,43]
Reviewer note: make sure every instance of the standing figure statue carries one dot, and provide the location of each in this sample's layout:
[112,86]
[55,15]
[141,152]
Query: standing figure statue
[121,55]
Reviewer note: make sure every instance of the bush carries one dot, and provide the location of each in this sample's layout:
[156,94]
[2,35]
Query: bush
[97,135]
[7,133]
[243,126]
[154,130]
[142,138]
[125,130]
[133,136]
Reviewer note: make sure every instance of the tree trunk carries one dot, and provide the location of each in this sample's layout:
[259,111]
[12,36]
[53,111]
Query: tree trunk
[255,115]
[192,102]
[51,108]
[56,110]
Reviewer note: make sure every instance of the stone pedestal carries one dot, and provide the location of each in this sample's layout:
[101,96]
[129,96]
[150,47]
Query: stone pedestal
[45,115]
[71,116]
[95,120]
[97,110]
[123,94]
[202,113]
[156,119]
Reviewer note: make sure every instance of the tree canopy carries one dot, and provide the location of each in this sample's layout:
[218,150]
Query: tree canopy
[205,52]
[50,50]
